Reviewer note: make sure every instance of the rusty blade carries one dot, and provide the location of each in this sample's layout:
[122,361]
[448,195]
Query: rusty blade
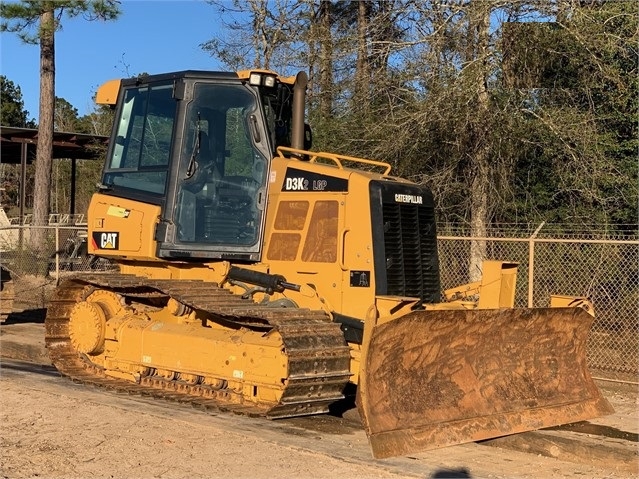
[436,378]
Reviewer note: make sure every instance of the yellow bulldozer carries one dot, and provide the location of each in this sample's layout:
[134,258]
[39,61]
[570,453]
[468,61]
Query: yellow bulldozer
[7,293]
[259,277]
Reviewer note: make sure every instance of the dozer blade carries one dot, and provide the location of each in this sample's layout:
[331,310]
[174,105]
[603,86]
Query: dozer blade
[437,378]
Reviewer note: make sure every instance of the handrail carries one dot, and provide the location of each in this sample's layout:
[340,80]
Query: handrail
[335,158]
[54,219]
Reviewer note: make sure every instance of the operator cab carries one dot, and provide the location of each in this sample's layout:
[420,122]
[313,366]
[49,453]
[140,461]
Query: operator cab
[199,144]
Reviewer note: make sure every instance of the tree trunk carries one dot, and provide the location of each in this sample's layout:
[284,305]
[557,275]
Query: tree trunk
[382,37]
[41,200]
[479,24]
[325,60]
[479,213]
[362,75]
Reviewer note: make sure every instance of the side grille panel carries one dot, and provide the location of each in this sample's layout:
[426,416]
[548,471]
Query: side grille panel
[408,243]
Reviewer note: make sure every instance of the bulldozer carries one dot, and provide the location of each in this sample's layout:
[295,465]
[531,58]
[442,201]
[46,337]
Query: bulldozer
[7,293]
[260,277]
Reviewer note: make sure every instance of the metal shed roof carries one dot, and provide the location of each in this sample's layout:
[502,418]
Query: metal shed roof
[18,146]
[79,146]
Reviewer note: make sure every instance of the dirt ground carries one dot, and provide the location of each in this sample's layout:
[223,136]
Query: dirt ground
[53,428]
[55,433]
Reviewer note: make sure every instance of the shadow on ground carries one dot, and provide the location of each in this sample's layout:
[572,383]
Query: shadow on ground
[27,316]
[451,473]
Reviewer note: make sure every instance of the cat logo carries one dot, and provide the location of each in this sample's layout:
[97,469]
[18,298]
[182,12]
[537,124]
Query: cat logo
[107,240]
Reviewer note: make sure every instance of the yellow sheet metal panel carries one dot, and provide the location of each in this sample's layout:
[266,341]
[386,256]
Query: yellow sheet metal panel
[321,240]
[498,284]
[291,215]
[120,227]
[283,246]
[107,93]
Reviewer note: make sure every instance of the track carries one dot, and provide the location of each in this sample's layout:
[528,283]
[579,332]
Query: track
[317,354]
[7,294]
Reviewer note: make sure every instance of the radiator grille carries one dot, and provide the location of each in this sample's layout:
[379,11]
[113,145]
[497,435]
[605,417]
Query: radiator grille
[410,244]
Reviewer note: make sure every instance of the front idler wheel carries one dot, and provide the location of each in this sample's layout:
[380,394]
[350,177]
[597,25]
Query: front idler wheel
[87,325]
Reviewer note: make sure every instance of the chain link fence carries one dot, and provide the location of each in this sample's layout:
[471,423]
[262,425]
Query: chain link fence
[604,270]
[36,273]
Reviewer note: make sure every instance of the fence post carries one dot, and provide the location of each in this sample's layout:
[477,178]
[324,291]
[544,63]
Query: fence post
[531,263]
[57,255]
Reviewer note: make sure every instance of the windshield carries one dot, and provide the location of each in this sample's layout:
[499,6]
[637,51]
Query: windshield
[221,173]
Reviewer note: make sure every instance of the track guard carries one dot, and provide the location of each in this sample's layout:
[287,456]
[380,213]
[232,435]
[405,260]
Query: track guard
[433,379]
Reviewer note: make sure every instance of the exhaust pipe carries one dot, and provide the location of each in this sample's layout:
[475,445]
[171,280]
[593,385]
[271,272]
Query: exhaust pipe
[299,105]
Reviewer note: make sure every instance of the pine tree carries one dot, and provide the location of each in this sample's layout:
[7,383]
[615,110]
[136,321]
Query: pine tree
[35,22]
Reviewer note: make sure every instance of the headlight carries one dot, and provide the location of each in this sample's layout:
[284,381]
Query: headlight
[255,79]
[262,79]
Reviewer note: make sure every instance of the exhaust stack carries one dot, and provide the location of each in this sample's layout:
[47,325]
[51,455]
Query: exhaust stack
[299,105]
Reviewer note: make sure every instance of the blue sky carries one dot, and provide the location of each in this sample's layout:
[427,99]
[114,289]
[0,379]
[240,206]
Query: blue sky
[152,36]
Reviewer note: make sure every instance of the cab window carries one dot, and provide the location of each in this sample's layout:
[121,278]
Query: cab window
[142,149]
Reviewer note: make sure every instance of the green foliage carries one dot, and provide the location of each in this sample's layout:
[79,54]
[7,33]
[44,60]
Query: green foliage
[35,22]
[552,106]
[12,112]
[580,156]
[98,122]
[66,116]
[541,114]
[23,18]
